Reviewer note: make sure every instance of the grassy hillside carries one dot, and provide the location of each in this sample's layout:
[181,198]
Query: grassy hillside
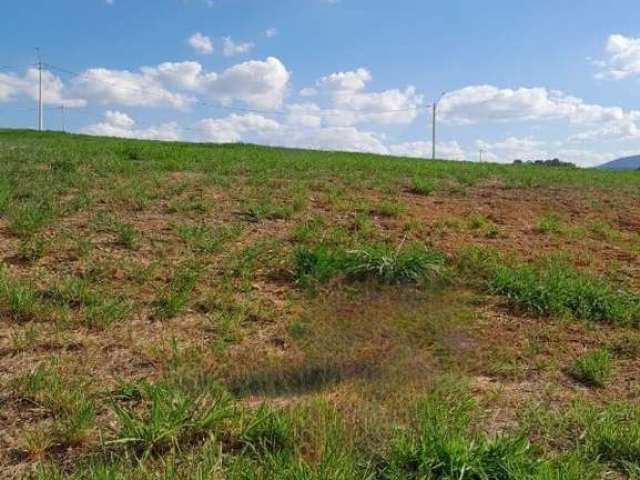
[180,311]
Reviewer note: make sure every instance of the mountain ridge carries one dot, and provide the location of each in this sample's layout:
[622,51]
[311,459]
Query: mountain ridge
[625,163]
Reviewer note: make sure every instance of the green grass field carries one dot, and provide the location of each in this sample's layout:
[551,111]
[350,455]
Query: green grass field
[191,311]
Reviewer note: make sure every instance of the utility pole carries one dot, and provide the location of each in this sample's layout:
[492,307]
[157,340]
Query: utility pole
[481,152]
[40,109]
[433,126]
[433,131]
[62,112]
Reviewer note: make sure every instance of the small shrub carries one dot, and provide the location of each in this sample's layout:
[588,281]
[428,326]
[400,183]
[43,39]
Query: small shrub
[592,368]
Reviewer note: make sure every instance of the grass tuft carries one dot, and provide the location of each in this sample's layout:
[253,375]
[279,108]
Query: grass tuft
[555,288]
[593,368]
[405,264]
[167,419]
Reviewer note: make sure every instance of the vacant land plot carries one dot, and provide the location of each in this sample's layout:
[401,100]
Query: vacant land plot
[241,312]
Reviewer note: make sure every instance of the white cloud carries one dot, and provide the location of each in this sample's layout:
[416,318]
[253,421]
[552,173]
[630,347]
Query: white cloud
[128,88]
[308,92]
[485,103]
[231,48]
[119,124]
[623,58]
[271,32]
[201,43]
[54,91]
[447,150]
[254,127]
[233,127]
[348,139]
[260,84]
[346,81]
[308,115]
[623,130]
[512,148]
[351,104]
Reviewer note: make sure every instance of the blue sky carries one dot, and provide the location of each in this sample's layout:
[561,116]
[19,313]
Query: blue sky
[524,80]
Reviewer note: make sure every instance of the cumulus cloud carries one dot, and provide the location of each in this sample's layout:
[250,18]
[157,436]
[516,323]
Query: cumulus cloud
[119,124]
[346,81]
[486,103]
[623,58]
[529,149]
[231,48]
[448,150]
[128,88]
[175,84]
[53,89]
[511,148]
[623,130]
[254,127]
[258,83]
[233,127]
[348,139]
[351,104]
[201,43]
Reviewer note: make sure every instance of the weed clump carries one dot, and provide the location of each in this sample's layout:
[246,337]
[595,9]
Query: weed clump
[443,446]
[402,265]
[555,288]
[169,418]
[423,186]
[593,368]
[172,299]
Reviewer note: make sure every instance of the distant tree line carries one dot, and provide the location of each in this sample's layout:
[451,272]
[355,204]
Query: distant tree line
[555,162]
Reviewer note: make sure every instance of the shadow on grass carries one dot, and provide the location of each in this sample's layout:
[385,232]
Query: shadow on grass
[301,378]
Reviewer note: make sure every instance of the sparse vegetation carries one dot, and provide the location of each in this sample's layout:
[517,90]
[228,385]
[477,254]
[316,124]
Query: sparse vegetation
[554,288]
[174,310]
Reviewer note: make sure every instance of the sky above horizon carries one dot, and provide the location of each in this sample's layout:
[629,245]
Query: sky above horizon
[523,80]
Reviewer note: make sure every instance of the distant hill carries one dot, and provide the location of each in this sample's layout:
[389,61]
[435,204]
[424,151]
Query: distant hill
[626,163]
